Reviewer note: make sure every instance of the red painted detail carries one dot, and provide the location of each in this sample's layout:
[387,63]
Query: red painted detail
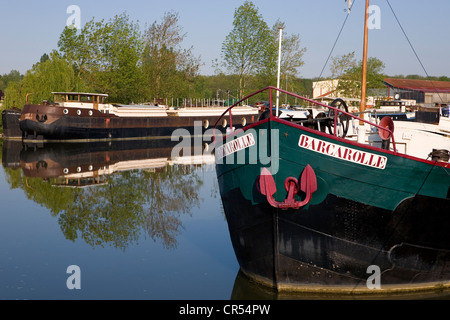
[291,185]
[267,186]
[388,124]
[308,184]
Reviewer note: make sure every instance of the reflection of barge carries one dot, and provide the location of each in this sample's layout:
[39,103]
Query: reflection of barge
[109,192]
[86,116]
[89,163]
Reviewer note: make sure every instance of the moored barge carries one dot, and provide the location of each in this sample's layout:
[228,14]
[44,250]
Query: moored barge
[327,212]
[86,116]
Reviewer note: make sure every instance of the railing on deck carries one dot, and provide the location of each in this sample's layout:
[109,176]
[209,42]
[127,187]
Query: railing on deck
[336,113]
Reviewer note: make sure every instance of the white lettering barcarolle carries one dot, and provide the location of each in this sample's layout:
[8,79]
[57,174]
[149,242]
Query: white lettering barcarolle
[344,153]
[235,145]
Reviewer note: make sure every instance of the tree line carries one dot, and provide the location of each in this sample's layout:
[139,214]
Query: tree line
[134,66]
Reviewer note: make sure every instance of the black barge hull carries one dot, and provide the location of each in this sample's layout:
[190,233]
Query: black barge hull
[51,123]
[338,246]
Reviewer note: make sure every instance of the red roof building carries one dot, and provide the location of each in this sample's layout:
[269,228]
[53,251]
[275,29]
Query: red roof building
[427,92]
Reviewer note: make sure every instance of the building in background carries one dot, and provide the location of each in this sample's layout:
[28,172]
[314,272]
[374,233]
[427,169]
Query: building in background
[427,93]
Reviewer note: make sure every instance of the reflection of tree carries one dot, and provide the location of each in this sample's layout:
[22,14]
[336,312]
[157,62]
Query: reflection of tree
[174,191]
[103,214]
[118,213]
[41,192]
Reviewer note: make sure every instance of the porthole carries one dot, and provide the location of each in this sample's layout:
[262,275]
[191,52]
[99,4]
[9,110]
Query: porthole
[79,169]
[79,112]
[66,171]
[91,113]
[66,111]
[206,124]
[224,123]
[243,122]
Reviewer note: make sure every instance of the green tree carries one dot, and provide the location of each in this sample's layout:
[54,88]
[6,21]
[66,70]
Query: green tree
[44,58]
[169,70]
[341,64]
[55,74]
[246,46]
[77,49]
[350,82]
[118,60]
[6,79]
[222,86]
[106,56]
[13,96]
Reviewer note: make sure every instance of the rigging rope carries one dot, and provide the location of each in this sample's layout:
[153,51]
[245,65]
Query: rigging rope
[404,33]
[334,45]
[415,53]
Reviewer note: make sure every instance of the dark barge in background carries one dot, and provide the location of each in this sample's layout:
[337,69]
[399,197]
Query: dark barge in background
[10,123]
[85,116]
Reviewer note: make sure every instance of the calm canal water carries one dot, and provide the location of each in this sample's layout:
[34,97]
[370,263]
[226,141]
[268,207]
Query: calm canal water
[121,220]
[138,224]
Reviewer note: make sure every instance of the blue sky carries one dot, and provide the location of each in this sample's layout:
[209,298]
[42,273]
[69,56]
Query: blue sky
[31,28]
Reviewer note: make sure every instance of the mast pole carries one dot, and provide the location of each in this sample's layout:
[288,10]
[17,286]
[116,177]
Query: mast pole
[364,65]
[279,71]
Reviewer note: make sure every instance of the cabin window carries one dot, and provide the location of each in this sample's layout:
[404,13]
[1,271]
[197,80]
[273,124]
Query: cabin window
[84,98]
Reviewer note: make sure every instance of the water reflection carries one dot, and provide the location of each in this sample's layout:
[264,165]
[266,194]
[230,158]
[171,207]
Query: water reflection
[109,193]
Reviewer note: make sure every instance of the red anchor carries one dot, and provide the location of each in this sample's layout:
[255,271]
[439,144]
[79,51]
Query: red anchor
[308,184]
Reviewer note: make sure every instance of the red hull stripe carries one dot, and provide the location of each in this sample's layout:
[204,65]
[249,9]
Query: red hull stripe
[337,139]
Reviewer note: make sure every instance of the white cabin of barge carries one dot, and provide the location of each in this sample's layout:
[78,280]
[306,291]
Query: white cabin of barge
[96,101]
[81,100]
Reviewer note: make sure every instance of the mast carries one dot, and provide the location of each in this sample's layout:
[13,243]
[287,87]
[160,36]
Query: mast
[279,71]
[364,65]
